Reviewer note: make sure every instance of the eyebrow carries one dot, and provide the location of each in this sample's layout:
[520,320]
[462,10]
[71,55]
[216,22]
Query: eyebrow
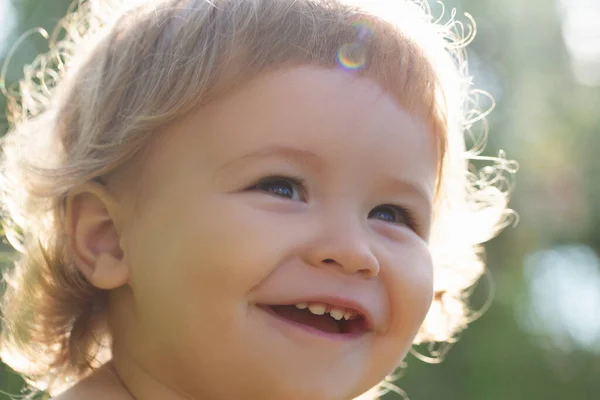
[404,186]
[303,157]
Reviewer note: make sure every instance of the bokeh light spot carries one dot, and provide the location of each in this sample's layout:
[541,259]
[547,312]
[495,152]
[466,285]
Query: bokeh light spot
[563,299]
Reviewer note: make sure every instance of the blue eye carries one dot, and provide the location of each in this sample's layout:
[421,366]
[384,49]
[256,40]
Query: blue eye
[393,214]
[288,188]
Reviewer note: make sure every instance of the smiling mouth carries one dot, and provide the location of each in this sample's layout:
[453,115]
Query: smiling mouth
[325,320]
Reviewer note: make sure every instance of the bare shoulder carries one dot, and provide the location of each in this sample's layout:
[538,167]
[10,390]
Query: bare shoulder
[101,385]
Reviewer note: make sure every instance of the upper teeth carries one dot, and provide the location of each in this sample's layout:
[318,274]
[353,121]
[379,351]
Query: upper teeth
[321,308]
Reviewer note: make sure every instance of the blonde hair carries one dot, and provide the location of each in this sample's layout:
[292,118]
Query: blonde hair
[92,104]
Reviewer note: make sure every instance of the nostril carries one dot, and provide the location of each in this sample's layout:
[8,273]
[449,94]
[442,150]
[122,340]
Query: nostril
[367,273]
[364,272]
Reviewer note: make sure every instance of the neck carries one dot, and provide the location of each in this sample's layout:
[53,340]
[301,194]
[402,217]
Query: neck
[139,383]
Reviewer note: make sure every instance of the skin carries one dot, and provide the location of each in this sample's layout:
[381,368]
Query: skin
[188,267]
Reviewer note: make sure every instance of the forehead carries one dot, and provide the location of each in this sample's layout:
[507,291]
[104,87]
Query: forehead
[347,121]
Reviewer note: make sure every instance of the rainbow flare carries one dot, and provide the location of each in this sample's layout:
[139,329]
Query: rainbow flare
[353,56]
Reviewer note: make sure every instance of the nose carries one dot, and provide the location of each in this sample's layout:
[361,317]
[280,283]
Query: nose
[346,249]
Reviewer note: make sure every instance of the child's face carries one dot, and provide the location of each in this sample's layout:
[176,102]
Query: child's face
[282,193]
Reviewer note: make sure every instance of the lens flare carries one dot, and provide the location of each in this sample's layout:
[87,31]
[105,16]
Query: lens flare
[353,56]
[364,29]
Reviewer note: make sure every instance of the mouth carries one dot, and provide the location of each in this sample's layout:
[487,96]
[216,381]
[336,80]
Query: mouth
[321,318]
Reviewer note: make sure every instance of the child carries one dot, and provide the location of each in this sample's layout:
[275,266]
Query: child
[258,199]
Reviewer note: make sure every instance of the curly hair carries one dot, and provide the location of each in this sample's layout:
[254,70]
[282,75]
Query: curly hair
[114,76]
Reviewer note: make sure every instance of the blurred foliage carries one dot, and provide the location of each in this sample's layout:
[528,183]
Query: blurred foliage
[550,123]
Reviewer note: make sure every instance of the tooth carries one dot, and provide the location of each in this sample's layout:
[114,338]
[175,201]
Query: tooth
[336,313]
[349,315]
[301,306]
[317,308]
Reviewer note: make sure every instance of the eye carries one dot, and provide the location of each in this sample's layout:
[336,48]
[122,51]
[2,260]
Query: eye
[394,214]
[286,187]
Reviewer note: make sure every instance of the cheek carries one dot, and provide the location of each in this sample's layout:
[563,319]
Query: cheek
[411,290]
[195,263]
[235,244]
[408,279]
[213,246]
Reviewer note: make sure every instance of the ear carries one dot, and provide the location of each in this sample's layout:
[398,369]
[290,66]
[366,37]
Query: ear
[93,225]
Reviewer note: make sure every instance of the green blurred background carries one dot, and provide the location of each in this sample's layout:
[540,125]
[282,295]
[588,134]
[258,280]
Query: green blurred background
[540,59]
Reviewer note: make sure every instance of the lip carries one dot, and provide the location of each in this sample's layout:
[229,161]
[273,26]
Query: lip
[294,326]
[332,301]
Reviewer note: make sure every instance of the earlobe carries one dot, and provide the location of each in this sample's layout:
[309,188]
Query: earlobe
[93,225]
[109,272]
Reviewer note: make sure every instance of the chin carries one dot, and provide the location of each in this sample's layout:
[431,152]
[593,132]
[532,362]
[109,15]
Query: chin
[333,388]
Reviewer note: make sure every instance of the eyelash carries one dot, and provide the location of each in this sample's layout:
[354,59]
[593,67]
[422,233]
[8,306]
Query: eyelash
[408,216]
[298,183]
